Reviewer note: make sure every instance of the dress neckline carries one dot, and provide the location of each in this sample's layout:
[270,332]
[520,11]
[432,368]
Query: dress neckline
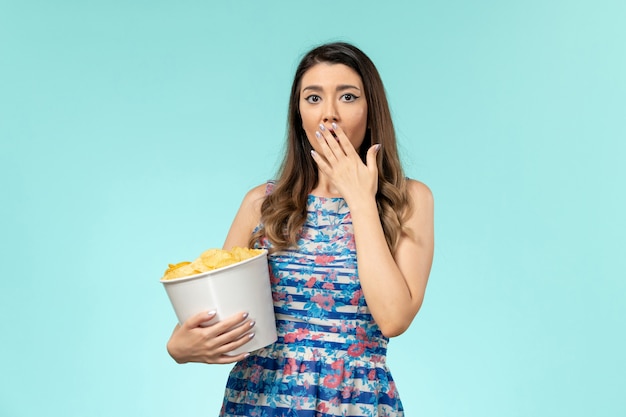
[317,197]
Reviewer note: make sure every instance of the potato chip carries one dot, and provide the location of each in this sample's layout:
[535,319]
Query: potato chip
[181,269]
[173,267]
[209,260]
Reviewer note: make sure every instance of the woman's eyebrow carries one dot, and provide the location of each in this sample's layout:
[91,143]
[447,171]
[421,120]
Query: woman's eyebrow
[312,88]
[339,87]
[347,87]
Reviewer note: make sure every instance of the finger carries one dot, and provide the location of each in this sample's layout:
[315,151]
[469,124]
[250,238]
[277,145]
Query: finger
[227,324]
[232,334]
[326,141]
[200,319]
[321,162]
[235,344]
[370,159]
[332,140]
[344,142]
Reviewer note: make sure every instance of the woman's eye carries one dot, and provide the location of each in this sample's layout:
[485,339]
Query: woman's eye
[313,99]
[349,97]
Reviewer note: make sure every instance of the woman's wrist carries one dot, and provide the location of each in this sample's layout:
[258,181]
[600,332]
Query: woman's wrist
[362,205]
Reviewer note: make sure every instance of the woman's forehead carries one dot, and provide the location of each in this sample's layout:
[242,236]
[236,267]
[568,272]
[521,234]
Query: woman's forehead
[327,74]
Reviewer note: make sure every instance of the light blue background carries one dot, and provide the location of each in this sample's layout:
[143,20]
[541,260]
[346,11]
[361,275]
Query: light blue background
[130,131]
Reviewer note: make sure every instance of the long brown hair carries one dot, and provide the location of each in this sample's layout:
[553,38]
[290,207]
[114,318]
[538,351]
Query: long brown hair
[283,212]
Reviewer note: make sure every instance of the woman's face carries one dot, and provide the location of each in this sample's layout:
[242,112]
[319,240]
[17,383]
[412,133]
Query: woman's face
[333,93]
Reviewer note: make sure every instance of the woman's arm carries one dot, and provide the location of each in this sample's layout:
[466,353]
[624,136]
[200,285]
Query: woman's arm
[192,341]
[247,218]
[394,285]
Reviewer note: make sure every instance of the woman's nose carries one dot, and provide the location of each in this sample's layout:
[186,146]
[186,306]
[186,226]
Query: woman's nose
[330,114]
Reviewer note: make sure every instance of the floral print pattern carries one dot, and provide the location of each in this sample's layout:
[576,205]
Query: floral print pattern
[330,356]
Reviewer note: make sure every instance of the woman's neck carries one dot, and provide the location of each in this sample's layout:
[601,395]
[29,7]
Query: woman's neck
[324,188]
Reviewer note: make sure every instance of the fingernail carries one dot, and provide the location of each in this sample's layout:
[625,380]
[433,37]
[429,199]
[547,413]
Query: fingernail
[313,153]
[378,145]
[334,125]
[322,127]
[251,335]
[211,313]
[246,355]
[244,315]
[318,135]
[252,323]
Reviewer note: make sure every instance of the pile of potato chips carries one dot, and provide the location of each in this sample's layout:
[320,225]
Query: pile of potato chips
[210,260]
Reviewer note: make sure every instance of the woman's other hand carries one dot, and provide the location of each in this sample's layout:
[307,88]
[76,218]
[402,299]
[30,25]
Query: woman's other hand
[342,164]
[200,340]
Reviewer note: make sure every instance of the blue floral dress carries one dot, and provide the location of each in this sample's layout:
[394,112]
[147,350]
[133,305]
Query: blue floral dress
[330,356]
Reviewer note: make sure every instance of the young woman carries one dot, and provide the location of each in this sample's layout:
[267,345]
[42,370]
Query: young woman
[350,243]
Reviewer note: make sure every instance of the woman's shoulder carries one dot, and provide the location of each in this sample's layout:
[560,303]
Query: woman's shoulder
[255,196]
[247,218]
[418,189]
[258,191]
[420,195]
[262,190]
